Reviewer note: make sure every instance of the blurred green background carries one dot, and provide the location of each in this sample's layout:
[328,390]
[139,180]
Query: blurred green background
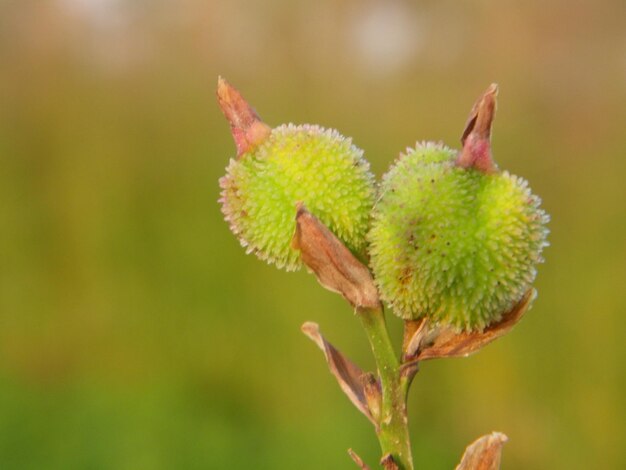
[134,331]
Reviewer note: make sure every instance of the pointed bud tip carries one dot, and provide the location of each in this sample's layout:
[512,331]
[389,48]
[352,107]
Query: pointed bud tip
[476,138]
[245,124]
[482,114]
[225,93]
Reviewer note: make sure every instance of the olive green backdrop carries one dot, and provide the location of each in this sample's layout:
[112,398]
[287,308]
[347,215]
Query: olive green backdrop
[134,331]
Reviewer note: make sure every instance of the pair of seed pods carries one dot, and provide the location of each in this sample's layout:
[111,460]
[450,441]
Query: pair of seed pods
[447,234]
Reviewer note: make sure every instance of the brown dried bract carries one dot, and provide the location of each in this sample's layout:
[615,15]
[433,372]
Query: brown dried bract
[348,374]
[436,342]
[484,453]
[245,124]
[414,332]
[336,268]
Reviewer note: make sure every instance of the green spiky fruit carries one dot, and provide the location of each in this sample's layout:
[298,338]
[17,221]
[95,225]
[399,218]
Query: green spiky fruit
[308,164]
[457,245]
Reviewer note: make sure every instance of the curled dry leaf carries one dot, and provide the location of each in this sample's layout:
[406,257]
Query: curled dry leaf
[357,460]
[348,374]
[432,342]
[336,268]
[484,453]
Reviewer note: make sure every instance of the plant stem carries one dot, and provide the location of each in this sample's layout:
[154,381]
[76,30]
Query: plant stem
[393,431]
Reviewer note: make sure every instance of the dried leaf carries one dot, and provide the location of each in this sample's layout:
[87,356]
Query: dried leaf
[335,266]
[388,463]
[449,343]
[484,453]
[357,460]
[346,372]
[414,333]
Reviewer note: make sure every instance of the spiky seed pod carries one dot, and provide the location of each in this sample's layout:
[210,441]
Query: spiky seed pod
[453,238]
[291,164]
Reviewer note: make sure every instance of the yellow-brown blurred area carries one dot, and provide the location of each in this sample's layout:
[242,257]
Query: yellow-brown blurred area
[134,331]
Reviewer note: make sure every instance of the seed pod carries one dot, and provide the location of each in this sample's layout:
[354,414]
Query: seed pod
[453,238]
[278,168]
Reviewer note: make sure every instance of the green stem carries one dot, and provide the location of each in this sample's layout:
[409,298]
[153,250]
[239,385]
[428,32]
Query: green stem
[393,430]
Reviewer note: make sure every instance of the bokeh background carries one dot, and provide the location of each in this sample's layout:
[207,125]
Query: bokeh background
[134,331]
